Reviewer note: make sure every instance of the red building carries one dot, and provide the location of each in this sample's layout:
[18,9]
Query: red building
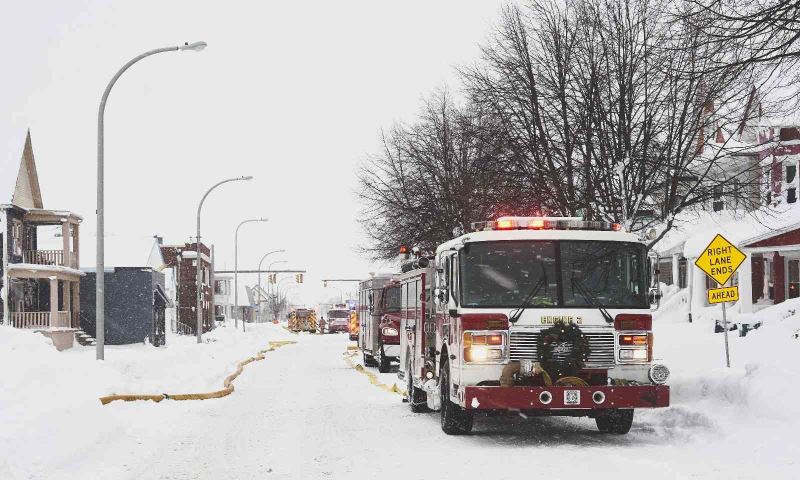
[182,259]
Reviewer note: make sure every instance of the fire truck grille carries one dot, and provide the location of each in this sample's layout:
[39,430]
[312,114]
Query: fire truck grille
[522,346]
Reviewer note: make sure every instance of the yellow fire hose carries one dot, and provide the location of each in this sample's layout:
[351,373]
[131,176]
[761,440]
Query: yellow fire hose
[226,390]
[373,379]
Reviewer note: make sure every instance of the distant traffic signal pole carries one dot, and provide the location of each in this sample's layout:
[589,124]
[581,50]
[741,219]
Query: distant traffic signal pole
[259,276]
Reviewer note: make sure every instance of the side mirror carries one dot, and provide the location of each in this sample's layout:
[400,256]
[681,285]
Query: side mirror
[453,312]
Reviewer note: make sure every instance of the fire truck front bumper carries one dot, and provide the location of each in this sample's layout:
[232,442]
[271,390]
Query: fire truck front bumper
[565,398]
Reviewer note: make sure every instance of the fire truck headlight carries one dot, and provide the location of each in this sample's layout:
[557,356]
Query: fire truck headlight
[658,374]
[482,353]
[483,347]
[389,332]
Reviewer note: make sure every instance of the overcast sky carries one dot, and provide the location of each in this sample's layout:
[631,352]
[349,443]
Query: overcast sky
[293,93]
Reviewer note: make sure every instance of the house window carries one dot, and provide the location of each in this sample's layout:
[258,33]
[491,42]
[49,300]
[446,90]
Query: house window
[718,202]
[16,237]
[682,273]
[767,187]
[791,190]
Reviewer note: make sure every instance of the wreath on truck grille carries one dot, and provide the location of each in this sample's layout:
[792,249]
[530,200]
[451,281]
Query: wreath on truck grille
[562,350]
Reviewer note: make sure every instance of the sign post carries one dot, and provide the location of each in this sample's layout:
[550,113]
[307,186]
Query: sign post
[720,260]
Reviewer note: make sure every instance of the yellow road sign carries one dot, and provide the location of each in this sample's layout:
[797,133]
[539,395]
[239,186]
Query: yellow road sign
[720,259]
[720,295]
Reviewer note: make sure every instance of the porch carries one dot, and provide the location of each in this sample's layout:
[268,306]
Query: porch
[42,299]
[67,228]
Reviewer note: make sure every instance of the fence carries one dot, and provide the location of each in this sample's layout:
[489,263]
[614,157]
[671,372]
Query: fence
[39,319]
[47,257]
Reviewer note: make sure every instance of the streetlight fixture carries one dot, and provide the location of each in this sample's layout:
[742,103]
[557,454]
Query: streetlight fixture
[236,271]
[199,278]
[100,301]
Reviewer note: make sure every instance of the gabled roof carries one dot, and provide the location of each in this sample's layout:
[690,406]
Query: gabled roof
[19,181]
[155,259]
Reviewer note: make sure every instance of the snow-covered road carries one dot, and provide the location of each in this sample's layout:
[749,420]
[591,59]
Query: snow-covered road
[304,413]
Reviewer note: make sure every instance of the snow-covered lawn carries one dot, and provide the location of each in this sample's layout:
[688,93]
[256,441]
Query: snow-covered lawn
[49,403]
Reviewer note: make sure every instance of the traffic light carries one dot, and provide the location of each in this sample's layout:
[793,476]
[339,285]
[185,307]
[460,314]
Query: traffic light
[272,277]
[298,278]
[325,283]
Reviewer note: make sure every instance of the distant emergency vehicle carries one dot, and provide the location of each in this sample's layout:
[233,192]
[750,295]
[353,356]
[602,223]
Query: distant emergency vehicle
[339,318]
[544,316]
[303,320]
[354,327]
[379,321]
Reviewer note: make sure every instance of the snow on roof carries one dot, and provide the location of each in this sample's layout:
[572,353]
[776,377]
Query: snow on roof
[694,230]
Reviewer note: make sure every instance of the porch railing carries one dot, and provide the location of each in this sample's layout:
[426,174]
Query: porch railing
[40,319]
[183,329]
[47,257]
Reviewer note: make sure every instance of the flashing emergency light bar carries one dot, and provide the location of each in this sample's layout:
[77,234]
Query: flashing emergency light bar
[544,223]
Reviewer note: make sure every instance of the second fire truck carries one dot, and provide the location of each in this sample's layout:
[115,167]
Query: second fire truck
[379,321]
[544,316]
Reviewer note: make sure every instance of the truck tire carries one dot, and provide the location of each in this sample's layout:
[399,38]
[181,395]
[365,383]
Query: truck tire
[369,361]
[455,420]
[615,421]
[417,398]
[384,364]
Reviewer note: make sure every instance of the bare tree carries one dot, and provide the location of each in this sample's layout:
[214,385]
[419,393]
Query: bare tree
[763,31]
[433,176]
[612,110]
[624,111]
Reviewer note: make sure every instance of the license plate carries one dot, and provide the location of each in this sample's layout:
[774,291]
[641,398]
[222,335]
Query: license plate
[572,397]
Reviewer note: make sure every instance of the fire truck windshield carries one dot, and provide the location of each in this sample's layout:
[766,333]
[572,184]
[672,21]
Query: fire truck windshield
[338,314]
[572,273]
[393,298]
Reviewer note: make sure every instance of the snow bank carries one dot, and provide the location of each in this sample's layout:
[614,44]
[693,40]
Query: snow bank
[760,388]
[49,405]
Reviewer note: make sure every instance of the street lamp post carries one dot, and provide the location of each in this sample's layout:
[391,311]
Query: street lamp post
[259,275]
[100,305]
[236,271]
[199,278]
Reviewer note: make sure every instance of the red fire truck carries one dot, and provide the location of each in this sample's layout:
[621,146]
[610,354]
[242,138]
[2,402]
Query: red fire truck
[379,321]
[545,316]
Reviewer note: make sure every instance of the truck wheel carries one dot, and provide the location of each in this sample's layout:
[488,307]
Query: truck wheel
[417,398]
[384,364]
[615,421]
[455,420]
[368,360]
